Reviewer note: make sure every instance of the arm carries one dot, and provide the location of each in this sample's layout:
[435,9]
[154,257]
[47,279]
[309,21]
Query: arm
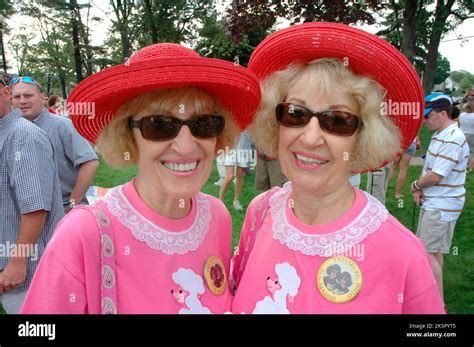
[428,180]
[14,274]
[61,284]
[84,180]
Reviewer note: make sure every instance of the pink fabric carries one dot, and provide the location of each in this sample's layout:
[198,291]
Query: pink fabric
[396,274]
[68,277]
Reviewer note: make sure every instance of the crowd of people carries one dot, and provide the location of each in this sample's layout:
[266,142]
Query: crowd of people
[311,241]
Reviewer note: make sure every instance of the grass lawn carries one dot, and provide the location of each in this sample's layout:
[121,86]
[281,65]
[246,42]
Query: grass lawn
[459,265]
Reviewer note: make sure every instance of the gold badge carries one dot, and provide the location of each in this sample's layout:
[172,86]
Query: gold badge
[214,275]
[339,279]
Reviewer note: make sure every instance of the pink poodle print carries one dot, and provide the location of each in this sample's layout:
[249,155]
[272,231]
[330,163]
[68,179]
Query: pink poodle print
[188,293]
[283,289]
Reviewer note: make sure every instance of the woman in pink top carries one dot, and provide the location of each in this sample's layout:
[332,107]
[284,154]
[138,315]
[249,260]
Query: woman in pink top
[331,98]
[155,244]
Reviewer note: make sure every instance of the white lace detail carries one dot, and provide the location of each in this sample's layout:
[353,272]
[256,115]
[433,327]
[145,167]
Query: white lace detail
[326,245]
[157,238]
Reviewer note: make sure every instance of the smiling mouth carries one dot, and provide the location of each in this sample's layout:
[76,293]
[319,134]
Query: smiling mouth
[309,161]
[181,167]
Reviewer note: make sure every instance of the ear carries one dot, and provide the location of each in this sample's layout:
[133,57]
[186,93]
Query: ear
[6,93]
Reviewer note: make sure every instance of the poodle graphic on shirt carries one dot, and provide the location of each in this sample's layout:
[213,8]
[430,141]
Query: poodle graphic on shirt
[190,288]
[283,289]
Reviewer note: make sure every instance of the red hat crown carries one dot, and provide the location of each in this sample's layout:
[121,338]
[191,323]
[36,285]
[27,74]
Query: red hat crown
[160,51]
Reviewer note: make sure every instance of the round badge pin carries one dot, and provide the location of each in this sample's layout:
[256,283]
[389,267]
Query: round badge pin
[339,279]
[214,275]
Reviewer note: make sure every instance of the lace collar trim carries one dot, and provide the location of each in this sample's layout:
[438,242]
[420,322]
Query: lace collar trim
[367,222]
[157,238]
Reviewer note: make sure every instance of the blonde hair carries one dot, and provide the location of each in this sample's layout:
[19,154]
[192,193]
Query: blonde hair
[379,138]
[468,106]
[116,142]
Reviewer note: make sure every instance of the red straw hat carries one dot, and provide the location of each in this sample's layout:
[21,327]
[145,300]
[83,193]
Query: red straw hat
[365,54]
[95,101]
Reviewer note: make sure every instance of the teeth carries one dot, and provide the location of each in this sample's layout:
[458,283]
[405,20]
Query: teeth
[181,167]
[309,161]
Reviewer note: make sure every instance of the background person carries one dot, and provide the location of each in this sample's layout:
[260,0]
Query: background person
[235,162]
[402,162]
[55,105]
[77,162]
[30,200]
[440,189]
[466,123]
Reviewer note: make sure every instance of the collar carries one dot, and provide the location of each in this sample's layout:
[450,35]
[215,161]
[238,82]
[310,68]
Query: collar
[40,117]
[334,241]
[446,130]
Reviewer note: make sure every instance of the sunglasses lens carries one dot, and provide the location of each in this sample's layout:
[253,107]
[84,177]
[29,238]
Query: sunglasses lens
[207,126]
[159,127]
[339,123]
[291,115]
[28,79]
[334,122]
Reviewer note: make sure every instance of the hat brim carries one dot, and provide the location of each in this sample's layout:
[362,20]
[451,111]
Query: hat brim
[234,86]
[364,53]
[427,111]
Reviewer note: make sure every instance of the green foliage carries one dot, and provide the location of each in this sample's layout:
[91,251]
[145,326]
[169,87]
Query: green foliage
[466,83]
[442,69]
[214,42]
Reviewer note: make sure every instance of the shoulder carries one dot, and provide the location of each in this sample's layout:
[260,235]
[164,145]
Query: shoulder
[24,131]
[455,135]
[78,227]
[76,239]
[215,204]
[401,240]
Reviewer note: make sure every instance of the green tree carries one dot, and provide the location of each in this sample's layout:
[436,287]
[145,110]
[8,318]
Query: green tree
[466,83]
[442,69]
[215,42]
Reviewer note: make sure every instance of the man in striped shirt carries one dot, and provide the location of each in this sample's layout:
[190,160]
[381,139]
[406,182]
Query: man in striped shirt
[440,190]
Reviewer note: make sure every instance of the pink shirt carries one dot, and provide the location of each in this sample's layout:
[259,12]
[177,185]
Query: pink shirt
[383,269]
[159,262]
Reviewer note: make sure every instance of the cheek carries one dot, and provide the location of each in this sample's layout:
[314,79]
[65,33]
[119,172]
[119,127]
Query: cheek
[209,147]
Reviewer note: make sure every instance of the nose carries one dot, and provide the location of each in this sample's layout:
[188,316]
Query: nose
[311,135]
[185,142]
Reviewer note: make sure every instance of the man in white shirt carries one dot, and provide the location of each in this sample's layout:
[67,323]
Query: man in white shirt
[440,190]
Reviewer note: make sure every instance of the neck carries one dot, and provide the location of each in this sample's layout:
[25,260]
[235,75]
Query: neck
[7,110]
[168,206]
[322,209]
[446,124]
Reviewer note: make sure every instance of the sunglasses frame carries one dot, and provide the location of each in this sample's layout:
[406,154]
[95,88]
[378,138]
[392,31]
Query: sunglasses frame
[139,125]
[318,115]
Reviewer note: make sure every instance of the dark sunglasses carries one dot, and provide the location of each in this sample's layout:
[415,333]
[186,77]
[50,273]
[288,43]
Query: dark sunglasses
[333,122]
[25,79]
[161,128]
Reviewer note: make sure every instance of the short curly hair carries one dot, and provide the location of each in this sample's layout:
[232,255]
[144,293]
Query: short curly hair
[379,139]
[116,142]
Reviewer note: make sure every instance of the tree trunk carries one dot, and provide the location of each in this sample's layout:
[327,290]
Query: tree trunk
[122,12]
[408,44]
[151,21]
[442,13]
[62,78]
[85,38]
[75,40]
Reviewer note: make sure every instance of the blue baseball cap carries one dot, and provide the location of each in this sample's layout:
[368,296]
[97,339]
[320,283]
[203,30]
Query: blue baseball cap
[437,100]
